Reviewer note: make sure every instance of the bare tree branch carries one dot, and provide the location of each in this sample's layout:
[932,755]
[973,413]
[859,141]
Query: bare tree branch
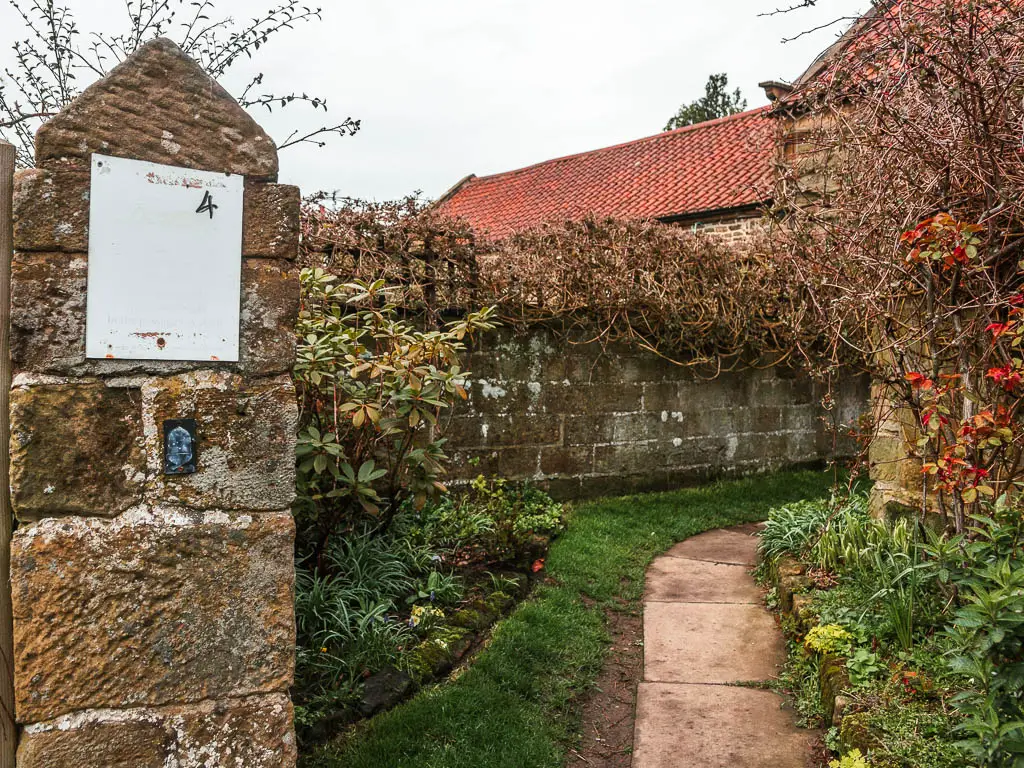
[51,60]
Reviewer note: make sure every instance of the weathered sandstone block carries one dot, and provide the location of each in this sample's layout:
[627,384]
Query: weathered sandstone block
[270,305]
[108,744]
[254,732]
[157,606]
[48,320]
[159,106]
[48,313]
[890,461]
[75,449]
[270,221]
[246,433]
[51,210]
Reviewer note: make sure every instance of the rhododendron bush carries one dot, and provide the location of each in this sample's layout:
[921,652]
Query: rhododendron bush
[903,222]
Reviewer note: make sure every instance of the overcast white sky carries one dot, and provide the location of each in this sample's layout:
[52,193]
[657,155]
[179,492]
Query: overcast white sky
[450,87]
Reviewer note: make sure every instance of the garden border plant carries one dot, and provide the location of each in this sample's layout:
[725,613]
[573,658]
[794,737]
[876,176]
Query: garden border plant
[905,640]
[391,583]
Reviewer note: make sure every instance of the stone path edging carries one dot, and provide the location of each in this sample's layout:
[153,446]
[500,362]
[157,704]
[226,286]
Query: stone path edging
[705,632]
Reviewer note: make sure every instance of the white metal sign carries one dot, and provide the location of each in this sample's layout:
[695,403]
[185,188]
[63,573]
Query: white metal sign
[165,262]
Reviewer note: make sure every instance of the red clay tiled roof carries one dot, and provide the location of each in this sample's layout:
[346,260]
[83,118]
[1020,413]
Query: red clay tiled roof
[720,164]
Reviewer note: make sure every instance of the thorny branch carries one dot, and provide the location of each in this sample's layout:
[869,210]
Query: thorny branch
[919,120]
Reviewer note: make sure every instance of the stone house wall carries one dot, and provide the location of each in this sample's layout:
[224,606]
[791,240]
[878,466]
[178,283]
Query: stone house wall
[735,229]
[582,421]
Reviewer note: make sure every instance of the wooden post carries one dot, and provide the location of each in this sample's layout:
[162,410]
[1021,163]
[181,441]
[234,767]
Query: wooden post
[8,729]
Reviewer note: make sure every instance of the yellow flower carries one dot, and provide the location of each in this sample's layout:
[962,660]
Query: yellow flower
[421,613]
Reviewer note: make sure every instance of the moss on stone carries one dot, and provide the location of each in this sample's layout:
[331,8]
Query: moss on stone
[855,733]
[833,679]
[497,602]
[436,653]
[468,618]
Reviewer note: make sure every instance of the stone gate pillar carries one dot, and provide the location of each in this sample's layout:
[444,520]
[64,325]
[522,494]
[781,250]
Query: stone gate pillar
[154,623]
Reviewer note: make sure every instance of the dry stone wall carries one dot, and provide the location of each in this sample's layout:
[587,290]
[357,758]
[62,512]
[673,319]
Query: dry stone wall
[154,617]
[582,421]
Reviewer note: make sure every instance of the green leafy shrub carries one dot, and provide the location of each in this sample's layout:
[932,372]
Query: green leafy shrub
[914,734]
[493,521]
[987,633]
[799,678]
[793,529]
[828,638]
[442,587]
[852,759]
[863,666]
[384,598]
[885,595]
[851,539]
[371,388]
[348,616]
[969,586]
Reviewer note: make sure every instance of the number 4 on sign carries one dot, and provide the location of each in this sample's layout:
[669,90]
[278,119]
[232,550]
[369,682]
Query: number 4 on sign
[207,205]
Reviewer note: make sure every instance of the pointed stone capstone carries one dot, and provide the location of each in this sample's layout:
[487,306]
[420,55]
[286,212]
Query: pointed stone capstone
[159,105]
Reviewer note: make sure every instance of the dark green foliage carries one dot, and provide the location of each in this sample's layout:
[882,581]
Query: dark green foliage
[800,679]
[987,633]
[372,388]
[914,733]
[377,599]
[943,614]
[716,102]
[350,620]
[793,529]
[494,521]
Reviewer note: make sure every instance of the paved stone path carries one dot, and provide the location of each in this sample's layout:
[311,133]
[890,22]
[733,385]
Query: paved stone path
[704,628]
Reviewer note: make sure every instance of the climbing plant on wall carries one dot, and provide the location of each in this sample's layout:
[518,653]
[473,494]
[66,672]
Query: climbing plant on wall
[689,297]
[901,216]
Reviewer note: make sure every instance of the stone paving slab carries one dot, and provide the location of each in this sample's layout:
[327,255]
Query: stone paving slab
[675,579]
[710,643]
[715,726]
[737,547]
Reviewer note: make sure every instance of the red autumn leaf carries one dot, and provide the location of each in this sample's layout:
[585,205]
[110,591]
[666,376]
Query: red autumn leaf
[1007,377]
[537,565]
[919,381]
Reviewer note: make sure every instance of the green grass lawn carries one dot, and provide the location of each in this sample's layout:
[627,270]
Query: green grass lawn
[517,705]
